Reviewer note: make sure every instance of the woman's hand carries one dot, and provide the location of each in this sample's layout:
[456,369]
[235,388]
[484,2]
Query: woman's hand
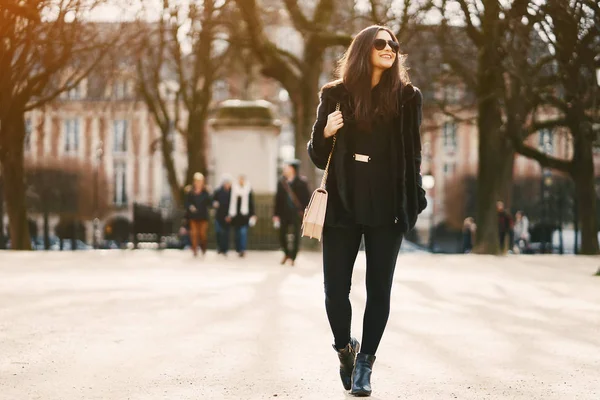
[335,121]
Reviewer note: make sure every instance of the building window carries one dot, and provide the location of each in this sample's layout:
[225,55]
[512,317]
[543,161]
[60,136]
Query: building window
[28,129]
[120,136]
[120,183]
[451,94]
[71,135]
[546,141]
[121,89]
[449,169]
[74,93]
[77,92]
[220,90]
[449,135]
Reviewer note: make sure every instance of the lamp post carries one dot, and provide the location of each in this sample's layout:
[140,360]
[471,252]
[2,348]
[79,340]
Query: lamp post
[428,185]
[96,233]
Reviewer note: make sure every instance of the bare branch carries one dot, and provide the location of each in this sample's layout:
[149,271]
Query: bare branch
[273,62]
[544,159]
[374,14]
[548,124]
[301,23]
[329,39]
[323,13]
[472,31]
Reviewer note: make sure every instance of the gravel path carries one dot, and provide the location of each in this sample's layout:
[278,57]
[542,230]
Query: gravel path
[147,325]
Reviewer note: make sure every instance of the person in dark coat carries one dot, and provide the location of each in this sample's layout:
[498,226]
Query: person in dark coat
[241,213]
[291,200]
[221,201]
[196,204]
[504,224]
[374,185]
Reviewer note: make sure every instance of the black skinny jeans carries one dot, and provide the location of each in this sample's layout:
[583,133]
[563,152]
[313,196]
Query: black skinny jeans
[340,248]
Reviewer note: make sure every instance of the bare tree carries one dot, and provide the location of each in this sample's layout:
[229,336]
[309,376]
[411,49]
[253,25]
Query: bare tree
[561,83]
[533,58]
[177,86]
[46,49]
[486,27]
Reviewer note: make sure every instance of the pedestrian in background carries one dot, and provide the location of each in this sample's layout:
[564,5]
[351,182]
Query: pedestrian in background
[374,185]
[503,224]
[221,202]
[197,204]
[241,213]
[468,232]
[521,231]
[291,200]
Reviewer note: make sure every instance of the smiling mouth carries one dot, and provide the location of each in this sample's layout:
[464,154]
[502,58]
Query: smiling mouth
[386,56]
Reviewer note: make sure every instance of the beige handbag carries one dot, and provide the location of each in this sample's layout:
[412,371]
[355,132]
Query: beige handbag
[314,215]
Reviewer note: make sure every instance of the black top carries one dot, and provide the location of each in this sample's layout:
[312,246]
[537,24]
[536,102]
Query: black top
[503,222]
[201,202]
[285,207]
[223,197]
[405,155]
[372,192]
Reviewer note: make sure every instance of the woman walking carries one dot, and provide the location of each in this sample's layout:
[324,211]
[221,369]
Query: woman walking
[521,232]
[241,213]
[196,204]
[374,186]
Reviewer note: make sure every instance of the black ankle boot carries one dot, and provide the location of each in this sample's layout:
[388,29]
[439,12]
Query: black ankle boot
[361,377]
[347,356]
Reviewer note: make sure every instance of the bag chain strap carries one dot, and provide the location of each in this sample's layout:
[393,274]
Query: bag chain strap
[326,173]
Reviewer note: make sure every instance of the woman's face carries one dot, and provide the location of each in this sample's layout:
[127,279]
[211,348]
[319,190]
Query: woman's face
[384,58]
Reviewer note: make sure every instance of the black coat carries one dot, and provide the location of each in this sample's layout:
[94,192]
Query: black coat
[201,201]
[223,197]
[405,148]
[287,214]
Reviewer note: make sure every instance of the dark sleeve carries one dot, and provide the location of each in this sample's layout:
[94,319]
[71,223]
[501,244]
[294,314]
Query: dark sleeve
[251,203]
[216,196]
[278,206]
[417,151]
[319,147]
[305,194]
[188,201]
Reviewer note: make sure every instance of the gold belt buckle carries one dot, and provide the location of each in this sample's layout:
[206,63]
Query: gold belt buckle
[362,158]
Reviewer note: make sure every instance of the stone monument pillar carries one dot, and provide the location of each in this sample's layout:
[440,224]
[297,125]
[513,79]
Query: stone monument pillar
[245,140]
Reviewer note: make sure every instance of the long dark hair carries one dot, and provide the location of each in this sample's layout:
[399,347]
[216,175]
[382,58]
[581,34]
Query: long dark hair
[355,71]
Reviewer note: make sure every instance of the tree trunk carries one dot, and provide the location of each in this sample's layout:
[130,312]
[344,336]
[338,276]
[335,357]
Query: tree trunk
[495,156]
[492,186]
[586,205]
[12,135]
[196,146]
[2,238]
[305,113]
[169,164]
[582,173]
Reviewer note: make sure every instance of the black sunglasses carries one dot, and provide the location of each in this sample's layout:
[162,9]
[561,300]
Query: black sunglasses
[379,44]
